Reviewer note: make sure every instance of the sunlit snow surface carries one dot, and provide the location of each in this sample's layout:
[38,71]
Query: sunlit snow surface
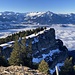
[37,60]
[34,14]
[64,32]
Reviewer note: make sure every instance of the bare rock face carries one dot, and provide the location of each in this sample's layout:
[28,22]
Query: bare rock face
[45,41]
[45,46]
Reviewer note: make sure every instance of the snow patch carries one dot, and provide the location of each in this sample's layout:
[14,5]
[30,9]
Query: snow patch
[44,48]
[45,55]
[35,40]
[36,60]
[52,71]
[8,44]
[51,53]
[58,65]
[34,35]
[54,51]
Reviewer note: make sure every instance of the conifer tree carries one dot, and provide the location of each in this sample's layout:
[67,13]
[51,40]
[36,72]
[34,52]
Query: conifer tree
[27,53]
[43,67]
[24,53]
[16,55]
[67,69]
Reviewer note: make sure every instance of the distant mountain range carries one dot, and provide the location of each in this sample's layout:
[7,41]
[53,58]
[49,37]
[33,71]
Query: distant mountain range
[36,18]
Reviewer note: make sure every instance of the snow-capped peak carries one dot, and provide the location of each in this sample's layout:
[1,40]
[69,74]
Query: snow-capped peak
[35,14]
[48,12]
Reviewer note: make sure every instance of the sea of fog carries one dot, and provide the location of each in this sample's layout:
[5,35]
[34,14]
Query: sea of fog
[64,32]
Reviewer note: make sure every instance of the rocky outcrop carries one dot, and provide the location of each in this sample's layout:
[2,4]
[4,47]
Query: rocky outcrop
[19,70]
[44,40]
[45,46]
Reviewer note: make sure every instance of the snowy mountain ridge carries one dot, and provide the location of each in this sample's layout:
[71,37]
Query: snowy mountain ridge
[45,18]
[35,14]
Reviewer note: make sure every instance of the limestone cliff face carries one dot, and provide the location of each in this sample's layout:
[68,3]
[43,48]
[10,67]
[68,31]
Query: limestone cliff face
[44,40]
[45,46]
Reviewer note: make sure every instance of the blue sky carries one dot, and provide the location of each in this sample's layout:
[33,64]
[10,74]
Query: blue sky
[56,6]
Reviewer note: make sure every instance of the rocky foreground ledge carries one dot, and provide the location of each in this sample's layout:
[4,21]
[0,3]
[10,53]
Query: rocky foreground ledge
[19,70]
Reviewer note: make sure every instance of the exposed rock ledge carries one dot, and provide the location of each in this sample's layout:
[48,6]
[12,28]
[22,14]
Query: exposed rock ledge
[18,70]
